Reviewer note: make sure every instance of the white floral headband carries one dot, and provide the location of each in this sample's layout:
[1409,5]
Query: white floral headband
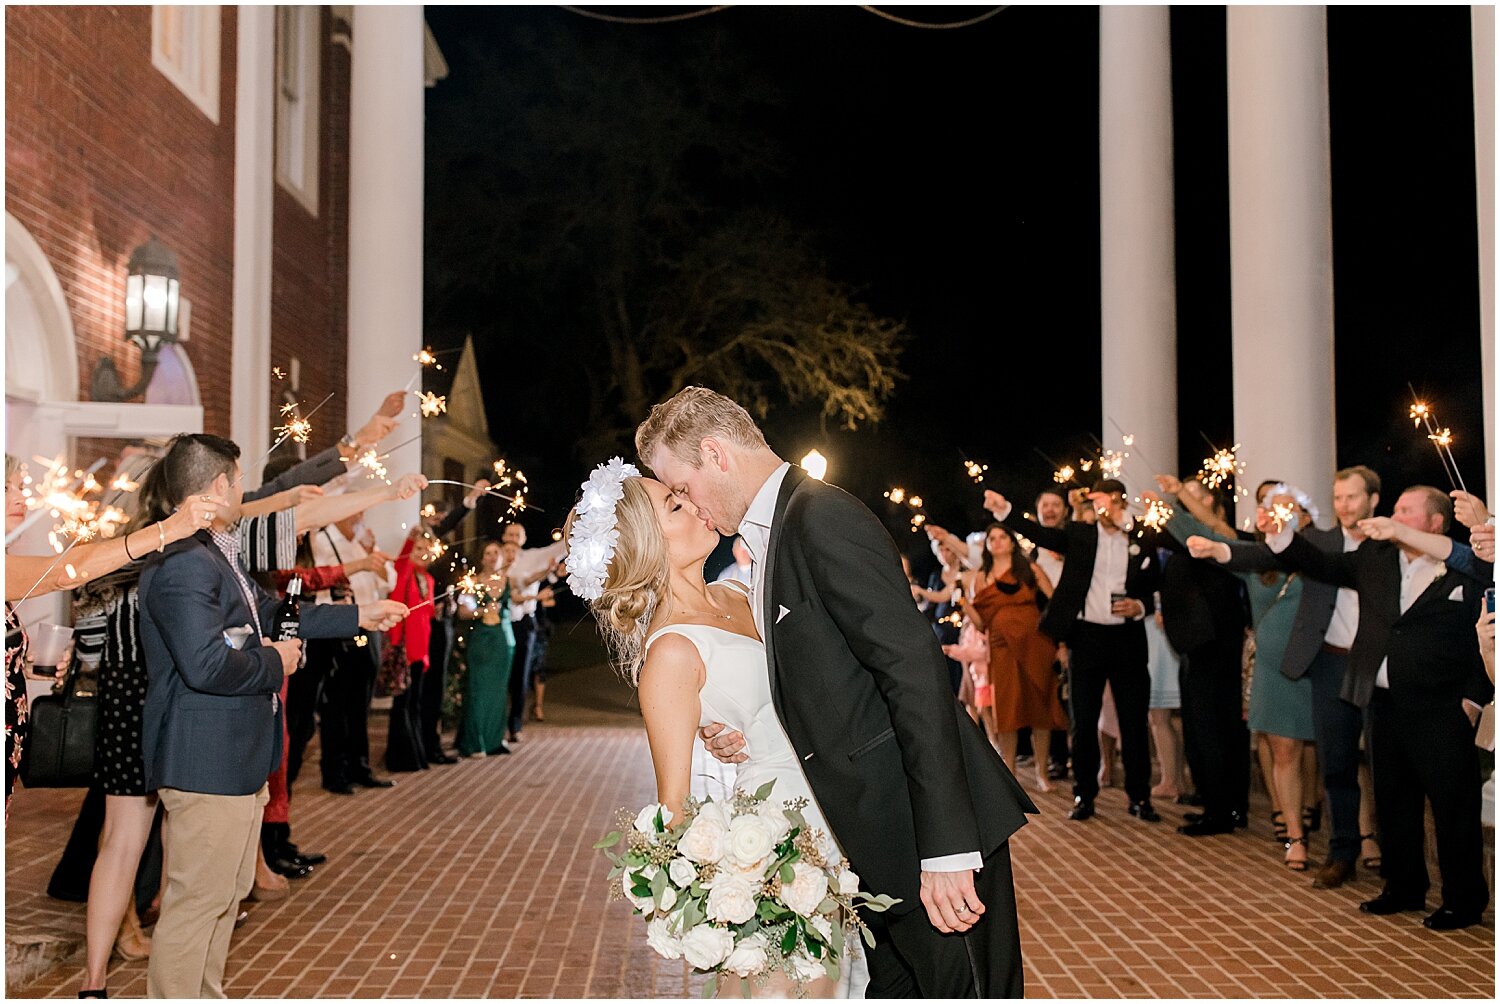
[593,536]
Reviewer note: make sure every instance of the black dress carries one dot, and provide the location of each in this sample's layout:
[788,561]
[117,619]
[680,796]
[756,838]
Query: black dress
[105,619]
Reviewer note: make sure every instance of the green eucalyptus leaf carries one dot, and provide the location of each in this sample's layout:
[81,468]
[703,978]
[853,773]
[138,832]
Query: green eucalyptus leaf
[831,967]
[787,873]
[710,987]
[764,791]
[609,840]
[868,936]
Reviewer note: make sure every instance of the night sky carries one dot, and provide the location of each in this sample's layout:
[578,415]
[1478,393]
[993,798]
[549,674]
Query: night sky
[952,177]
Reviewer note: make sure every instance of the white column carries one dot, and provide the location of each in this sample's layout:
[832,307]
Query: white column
[1484,164]
[254,148]
[1137,260]
[385,232]
[1281,246]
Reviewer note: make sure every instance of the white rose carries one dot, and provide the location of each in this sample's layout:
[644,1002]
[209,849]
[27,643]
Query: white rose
[806,968]
[749,956]
[806,890]
[641,903]
[704,841]
[705,946]
[682,872]
[775,817]
[821,924]
[668,899]
[645,821]
[662,941]
[732,898]
[751,841]
[848,882]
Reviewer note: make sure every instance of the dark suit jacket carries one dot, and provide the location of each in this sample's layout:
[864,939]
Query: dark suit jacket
[1078,543]
[1431,648]
[1315,610]
[318,469]
[1200,602]
[212,719]
[862,689]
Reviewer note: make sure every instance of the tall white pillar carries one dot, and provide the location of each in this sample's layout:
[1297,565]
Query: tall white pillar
[1137,260]
[254,148]
[385,232]
[1281,247]
[1484,165]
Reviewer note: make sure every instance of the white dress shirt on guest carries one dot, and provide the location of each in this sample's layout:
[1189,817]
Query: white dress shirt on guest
[1344,624]
[331,547]
[530,561]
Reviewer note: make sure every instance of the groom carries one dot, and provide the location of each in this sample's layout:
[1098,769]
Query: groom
[918,799]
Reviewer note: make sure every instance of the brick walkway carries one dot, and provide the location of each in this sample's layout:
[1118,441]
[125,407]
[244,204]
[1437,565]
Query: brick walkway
[479,880]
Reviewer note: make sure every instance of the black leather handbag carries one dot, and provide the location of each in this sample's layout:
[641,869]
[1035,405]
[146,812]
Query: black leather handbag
[59,750]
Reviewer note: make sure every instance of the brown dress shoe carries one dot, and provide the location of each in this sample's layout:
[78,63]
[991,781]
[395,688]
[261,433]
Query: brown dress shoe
[1333,874]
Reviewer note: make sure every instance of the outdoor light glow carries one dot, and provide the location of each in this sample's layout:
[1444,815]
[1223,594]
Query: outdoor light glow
[815,464]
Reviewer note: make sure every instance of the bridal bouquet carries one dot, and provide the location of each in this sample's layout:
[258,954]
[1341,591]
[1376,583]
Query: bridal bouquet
[742,887]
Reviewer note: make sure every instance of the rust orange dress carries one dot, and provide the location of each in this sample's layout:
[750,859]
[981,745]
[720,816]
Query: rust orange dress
[1021,657]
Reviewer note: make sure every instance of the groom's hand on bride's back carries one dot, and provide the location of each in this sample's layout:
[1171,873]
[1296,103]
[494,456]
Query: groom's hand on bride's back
[725,745]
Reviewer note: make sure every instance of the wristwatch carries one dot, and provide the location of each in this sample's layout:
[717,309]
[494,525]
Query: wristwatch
[348,440]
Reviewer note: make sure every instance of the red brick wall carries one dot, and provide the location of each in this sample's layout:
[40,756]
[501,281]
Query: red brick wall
[309,265]
[101,151]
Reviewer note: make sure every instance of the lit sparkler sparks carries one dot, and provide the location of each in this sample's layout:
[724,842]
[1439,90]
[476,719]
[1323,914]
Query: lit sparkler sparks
[372,462]
[433,404]
[1283,513]
[901,495]
[1222,467]
[1443,438]
[1418,413]
[1421,413]
[1157,514]
[896,495]
[1063,474]
[1112,462]
[975,470]
[429,511]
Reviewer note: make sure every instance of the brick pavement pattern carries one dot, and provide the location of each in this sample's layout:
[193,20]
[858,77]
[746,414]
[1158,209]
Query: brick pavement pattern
[479,880]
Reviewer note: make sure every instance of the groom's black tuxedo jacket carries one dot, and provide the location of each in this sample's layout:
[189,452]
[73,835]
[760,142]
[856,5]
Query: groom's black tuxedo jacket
[861,687]
[1078,543]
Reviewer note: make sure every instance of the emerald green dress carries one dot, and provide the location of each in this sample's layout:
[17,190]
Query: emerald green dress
[487,684]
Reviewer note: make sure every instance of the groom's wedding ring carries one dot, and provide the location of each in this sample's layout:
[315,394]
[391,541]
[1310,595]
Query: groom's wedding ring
[962,910]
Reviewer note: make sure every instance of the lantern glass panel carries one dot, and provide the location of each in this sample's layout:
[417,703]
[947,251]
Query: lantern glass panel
[155,298]
[133,303]
[172,303]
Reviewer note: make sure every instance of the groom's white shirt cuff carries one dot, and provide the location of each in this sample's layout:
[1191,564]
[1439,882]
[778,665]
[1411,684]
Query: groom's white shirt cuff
[969,861]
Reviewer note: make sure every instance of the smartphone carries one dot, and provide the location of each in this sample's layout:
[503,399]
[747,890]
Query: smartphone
[1489,600]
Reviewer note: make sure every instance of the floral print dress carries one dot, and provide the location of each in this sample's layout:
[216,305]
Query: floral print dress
[17,712]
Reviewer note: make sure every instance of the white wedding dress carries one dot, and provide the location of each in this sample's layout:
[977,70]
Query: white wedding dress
[737,692]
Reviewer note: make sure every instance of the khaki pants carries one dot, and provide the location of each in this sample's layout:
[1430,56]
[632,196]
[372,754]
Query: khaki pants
[208,846]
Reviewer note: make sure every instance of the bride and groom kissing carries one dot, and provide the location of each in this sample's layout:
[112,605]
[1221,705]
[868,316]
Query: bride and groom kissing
[822,676]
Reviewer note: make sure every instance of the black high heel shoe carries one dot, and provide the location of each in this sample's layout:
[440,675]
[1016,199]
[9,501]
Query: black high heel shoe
[1279,831]
[101,992]
[1312,818]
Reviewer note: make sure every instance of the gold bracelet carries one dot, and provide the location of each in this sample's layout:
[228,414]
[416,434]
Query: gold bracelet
[161,536]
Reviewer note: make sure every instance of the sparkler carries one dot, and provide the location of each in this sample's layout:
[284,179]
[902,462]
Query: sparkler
[487,491]
[1063,474]
[298,429]
[1157,513]
[371,462]
[1283,513]
[433,404]
[1421,413]
[975,471]
[899,495]
[423,359]
[430,601]
[1222,467]
[79,518]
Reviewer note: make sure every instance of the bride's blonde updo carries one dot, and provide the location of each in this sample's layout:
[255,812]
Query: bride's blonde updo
[635,587]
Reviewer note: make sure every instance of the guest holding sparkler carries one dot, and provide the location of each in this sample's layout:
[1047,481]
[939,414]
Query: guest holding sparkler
[411,641]
[1280,707]
[1415,664]
[485,597]
[441,524]
[528,568]
[1003,597]
[1107,587]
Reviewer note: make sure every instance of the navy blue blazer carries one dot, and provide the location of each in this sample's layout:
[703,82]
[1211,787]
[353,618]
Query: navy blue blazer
[212,720]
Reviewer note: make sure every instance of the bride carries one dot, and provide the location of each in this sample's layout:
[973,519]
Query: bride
[690,647]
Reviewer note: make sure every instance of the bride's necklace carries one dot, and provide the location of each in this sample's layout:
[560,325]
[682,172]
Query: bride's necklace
[711,613]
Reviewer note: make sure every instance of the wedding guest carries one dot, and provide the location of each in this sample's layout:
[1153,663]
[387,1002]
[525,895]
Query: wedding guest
[1052,509]
[491,647]
[1204,616]
[1415,665]
[1280,707]
[944,586]
[411,641]
[1004,594]
[444,612]
[1165,667]
[529,568]
[743,565]
[1108,581]
[208,741]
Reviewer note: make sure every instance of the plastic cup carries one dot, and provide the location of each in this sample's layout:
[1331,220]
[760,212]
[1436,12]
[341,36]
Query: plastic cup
[48,643]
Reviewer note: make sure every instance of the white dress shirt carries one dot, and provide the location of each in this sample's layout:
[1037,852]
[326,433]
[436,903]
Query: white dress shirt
[331,547]
[755,529]
[528,563]
[1416,575]
[1344,624]
[1111,562]
[1050,562]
